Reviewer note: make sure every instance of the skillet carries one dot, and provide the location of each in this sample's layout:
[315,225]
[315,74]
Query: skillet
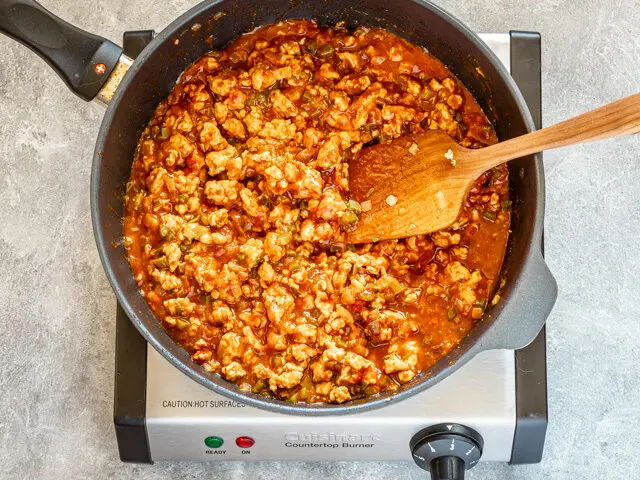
[94,68]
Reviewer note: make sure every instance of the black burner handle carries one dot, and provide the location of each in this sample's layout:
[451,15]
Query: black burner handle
[447,468]
[446,450]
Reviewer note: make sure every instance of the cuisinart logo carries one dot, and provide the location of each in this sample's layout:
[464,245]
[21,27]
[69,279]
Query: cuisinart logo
[330,440]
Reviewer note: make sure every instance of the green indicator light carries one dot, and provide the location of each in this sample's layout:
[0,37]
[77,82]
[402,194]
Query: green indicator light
[213,442]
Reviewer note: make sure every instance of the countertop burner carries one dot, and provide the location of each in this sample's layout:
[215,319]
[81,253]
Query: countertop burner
[495,407]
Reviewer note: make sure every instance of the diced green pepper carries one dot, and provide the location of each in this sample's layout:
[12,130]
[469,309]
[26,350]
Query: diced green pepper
[349,218]
[304,393]
[326,51]
[182,323]
[311,47]
[260,386]
[257,98]
[354,206]
[481,303]
[165,133]
[489,215]
[160,262]
[261,98]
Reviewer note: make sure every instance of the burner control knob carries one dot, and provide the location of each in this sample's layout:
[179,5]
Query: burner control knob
[446,450]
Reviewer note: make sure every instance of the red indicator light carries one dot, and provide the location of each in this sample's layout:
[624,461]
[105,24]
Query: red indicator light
[245,442]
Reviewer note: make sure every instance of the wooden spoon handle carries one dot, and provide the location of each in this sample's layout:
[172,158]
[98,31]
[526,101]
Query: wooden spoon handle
[621,117]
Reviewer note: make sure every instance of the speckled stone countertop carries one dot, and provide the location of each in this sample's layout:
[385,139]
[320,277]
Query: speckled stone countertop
[57,316]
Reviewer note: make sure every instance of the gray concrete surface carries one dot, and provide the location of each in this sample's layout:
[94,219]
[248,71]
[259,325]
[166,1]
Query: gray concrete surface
[57,315]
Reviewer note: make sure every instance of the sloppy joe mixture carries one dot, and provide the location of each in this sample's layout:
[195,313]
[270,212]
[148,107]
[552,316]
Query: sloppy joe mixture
[238,207]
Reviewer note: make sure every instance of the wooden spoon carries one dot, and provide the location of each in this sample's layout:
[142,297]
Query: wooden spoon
[417,184]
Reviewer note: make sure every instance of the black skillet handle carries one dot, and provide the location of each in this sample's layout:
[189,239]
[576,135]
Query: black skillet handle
[523,316]
[84,61]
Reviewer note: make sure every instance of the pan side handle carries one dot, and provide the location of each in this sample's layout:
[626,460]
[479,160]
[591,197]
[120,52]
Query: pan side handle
[530,303]
[83,60]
